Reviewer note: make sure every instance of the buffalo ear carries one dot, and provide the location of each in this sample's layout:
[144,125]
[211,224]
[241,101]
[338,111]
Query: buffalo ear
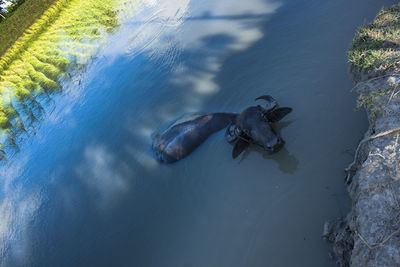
[277,114]
[239,147]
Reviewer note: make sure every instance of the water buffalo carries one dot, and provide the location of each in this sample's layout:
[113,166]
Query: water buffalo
[253,126]
[185,135]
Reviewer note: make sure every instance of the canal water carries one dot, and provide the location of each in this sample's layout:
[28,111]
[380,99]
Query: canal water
[86,189]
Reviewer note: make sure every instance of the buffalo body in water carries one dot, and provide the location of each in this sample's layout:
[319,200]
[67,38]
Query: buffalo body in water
[252,126]
[183,137]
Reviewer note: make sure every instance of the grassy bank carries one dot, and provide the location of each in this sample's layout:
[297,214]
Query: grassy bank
[374,52]
[14,26]
[369,234]
[66,36]
[376,45]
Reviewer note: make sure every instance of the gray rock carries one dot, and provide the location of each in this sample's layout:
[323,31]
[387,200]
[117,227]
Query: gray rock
[370,234]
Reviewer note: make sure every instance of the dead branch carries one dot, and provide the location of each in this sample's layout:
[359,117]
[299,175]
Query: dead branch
[377,245]
[351,165]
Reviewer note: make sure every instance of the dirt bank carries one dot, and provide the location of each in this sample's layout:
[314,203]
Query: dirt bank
[370,234]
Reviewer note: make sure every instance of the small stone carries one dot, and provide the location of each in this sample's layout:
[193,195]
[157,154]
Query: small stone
[393,80]
[391,43]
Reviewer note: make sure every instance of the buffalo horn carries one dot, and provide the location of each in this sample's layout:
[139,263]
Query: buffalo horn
[271,101]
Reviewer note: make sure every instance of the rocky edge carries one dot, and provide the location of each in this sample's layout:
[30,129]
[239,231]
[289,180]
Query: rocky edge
[370,233]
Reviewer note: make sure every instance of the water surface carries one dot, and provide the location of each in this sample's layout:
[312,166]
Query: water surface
[86,189]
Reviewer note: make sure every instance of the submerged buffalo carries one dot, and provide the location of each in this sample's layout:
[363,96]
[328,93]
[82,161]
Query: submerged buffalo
[184,136]
[252,126]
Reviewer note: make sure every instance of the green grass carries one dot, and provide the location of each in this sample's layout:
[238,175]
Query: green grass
[14,26]
[66,37]
[376,51]
[374,47]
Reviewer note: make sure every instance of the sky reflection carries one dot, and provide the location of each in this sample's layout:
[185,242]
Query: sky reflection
[104,175]
[167,31]
[192,41]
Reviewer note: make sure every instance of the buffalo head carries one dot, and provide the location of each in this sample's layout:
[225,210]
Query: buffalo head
[254,126]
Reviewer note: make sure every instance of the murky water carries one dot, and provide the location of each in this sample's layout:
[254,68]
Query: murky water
[86,190]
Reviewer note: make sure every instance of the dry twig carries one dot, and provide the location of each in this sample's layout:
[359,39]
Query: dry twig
[351,165]
[377,245]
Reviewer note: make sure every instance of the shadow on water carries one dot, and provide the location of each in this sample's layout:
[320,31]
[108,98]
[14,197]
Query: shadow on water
[287,163]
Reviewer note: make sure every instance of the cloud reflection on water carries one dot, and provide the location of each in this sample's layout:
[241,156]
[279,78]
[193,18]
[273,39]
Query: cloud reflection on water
[101,172]
[18,208]
[203,35]
[161,30]
[209,32]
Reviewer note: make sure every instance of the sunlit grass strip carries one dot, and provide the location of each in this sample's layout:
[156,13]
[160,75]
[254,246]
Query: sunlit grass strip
[35,29]
[14,26]
[66,36]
